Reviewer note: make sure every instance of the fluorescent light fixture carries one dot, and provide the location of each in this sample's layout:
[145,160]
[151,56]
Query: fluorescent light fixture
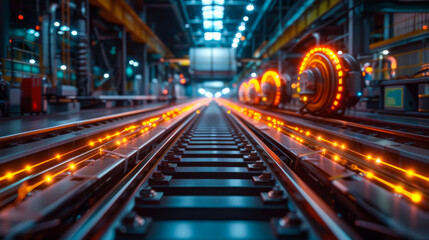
[32,61]
[253,74]
[217,36]
[213,12]
[201,91]
[238,35]
[208,36]
[216,25]
[242,28]
[63,67]
[250,7]
[385,52]
[106,75]
[245,18]
[218,94]
[209,94]
[74,32]
[226,90]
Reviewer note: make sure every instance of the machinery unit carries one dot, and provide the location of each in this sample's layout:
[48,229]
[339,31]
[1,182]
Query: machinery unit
[328,83]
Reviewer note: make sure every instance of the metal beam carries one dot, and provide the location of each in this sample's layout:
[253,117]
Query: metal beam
[119,12]
[300,20]
[256,22]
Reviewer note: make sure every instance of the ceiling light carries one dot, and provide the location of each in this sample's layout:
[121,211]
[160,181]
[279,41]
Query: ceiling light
[234,45]
[250,7]
[32,61]
[217,36]
[236,40]
[131,62]
[385,52]
[63,67]
[37,34]
[64,28]
[56,24]
[253,75]
[209,94]
[135,64]
[245,18]
[218,94]
[201,91]
[74,32]
[241,28]
[208,36]
[106,75]
[226,90]
[238,35]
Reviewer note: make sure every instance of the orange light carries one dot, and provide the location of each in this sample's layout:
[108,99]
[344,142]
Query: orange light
[91,143]
[416,197]
[9,175]
[410,173]
[425,27]
[369,175]
[20,17]
[198,111]
[165,91]
[154,125]
[72,166]
[124,140]
[369,70]
[305,99]
[399,189]
[338,96]
[378,160]
[58,156]
[118,142]
[340,89]
[243,38]
[28,168]
[37,27]
[307,133]
[182,81]
[48,178]
[228,111]
[343,146]
[335,103]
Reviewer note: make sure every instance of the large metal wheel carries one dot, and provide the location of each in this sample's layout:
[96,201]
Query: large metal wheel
[254,91]
[271,88]
[325,82]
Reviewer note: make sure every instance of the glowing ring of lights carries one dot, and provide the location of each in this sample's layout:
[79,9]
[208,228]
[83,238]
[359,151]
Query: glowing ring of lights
[254,91]
[271,78]
[243,92]
[329,83]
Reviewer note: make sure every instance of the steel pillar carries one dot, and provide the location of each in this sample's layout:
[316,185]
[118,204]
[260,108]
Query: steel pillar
[4,27]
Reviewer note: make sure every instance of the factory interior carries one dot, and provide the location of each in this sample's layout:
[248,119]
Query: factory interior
[214,119]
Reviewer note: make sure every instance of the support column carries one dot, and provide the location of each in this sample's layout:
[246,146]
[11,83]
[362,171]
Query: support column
[146,73]
[355,29]
[4,27]
[122,75]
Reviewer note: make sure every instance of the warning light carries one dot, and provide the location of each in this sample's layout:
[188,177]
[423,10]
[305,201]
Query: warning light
[182,81]
[425,27]
[243,38]
[20,17]
[37,27]
[165,91]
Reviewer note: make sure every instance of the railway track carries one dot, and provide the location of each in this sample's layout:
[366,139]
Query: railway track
[216,172]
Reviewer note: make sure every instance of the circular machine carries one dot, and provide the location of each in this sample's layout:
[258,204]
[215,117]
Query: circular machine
[243,92]
[272,88]
[254,91]
[328,83]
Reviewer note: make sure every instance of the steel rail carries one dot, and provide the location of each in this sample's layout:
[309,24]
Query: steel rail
[338,228]
[87,225]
